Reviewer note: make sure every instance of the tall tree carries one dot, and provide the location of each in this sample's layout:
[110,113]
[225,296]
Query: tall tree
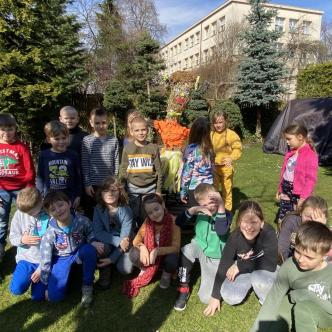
[259,82]
[40,59]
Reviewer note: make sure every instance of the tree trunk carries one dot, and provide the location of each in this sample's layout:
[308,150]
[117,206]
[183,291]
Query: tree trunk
[148,89]
[114,125]
[258,133]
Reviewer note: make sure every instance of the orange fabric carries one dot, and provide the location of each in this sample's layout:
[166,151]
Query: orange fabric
[172,133]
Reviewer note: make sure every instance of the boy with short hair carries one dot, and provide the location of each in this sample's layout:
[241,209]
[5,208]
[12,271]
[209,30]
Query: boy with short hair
[69,239]
[211,232]
[16,172]
[58,167]
[100,156]
[140,167]
[300,298]
[28,225]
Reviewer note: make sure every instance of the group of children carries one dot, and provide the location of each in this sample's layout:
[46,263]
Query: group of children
[77,171]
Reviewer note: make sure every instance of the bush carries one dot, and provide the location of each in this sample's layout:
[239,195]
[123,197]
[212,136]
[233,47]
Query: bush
[197,107]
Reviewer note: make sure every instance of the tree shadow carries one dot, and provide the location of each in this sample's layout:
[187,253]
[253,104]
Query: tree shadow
[8,265]
[327,170]
[238,197]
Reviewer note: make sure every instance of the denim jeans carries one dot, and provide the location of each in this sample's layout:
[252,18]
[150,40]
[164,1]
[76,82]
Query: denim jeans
[6,198]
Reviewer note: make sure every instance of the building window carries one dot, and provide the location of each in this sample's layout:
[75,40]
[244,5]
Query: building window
[279,25]
[214,28]
[207,31]
[292,25]
[222,24]
[192,41]
[185,63]
[306,27]
[197,37]
[191,62]
[187,44]
[166,54]
[206,56]
[175,50]
[171,52]
[179,65]
[197,59]
[179,47]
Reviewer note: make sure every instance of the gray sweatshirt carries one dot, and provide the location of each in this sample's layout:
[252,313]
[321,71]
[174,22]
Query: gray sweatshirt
[21,223]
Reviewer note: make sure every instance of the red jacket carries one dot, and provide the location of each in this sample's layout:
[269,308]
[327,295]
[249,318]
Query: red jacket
[16,166]
[305,172]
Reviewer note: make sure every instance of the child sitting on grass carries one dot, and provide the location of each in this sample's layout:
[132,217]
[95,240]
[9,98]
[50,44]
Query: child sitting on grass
[155,246]
[300,299]
[69,239]
[27,227]
[211,232]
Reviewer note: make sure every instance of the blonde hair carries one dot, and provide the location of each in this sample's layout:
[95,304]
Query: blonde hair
[315,202]
[28,198]
[55,128]
[202,190]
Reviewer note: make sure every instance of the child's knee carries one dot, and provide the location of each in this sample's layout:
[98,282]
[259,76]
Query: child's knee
[17,288]
[87,251]
[231,297]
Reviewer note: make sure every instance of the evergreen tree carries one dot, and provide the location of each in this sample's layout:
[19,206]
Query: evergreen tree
[259,83]
[40,60]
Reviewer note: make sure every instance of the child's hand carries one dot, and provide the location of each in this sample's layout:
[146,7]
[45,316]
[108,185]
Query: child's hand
[278,196]
[99,247]
[318,216]
[299,202]
[213,306]
[195,209]
[232,272]
[216,200]
[153,256]
[144,255]
[124,244]
[76,202]
[184,200]
[30,239]
[89,191]
[35,277]
[102,262]
[227,162]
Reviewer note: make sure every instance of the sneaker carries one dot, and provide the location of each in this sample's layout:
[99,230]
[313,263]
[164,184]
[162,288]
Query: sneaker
[87,296]
[165,280]
[104,280]
[183,296]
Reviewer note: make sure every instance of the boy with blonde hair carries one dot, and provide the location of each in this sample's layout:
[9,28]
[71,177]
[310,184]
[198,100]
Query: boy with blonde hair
[58,167]
[27,227]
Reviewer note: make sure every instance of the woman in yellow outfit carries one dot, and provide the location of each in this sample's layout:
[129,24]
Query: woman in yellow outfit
[227,147]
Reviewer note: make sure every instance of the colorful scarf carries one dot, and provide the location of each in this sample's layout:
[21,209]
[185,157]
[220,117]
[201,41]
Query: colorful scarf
[131,287]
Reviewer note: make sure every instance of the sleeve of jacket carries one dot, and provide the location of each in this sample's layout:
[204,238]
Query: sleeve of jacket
[310,175]
[236,146]
[40,180]
[222,223]
[123,166]
[46,253]
[29,167]
[187,171]
[16,231]
[126,222]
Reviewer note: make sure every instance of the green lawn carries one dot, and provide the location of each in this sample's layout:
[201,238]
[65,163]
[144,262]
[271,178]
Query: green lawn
[256,178]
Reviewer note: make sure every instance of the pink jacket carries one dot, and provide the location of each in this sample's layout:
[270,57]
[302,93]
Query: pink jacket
[305,172]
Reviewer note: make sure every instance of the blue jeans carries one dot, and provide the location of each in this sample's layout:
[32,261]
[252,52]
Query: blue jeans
[6,198]
[61,266]
[21,281]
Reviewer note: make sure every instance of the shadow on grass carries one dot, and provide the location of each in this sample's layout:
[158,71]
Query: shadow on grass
[238,197]
[327,170]
[8,265]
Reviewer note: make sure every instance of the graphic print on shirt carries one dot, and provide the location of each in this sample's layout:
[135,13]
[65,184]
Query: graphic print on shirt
[250,255]
[140,163]
[321,290]
[8,161]
[58,170]
[40,226]
[61,241]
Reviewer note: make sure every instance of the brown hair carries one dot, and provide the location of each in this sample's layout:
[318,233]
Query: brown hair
[314,236]
[99,111]
[55,128]
[28,198]
[297,129]
[217,114]
[107,183]
[53,197]
[315,202]
[7,120]
[152,198]
[200,134]
[202,190]
[249,206]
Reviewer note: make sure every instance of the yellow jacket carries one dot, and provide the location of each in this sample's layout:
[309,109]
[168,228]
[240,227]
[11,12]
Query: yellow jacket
[226,145]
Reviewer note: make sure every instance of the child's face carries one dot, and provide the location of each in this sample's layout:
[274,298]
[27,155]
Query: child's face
[59,143]
[250,225]
[7,134]
[206,201]
[69,118]
[155,211]
[220,124]
[99,124]
[308,260]
[139,131]
[294,141]
[34,212]
[60,210]
[111,195]
[312,214]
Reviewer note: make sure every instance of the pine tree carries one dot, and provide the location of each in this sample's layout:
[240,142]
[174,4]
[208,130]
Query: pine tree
[259,81]
[40,60]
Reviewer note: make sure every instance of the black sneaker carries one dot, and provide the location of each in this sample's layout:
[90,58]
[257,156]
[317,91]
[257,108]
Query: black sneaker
[181,301]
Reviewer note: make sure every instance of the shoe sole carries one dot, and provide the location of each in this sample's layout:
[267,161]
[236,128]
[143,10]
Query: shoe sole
[179,309]
[164,287]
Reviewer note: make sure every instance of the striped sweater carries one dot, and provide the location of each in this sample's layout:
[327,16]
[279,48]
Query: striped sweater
[100,158]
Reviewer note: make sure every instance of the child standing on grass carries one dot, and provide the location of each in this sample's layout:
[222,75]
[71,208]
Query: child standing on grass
[69,239]
[100,156]
[112,225]
[140,167]
[26,230]
[249,260]
[58,167]
[211,232]
[298,175]
[16,172]
[227,148]
[197,166]
[300,299]
[314,208]
[155,246]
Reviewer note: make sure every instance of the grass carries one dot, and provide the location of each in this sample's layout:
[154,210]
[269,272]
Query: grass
[256,178]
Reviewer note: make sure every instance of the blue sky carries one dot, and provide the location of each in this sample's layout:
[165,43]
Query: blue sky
[181,14]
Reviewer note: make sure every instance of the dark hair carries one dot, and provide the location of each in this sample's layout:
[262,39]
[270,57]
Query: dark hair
[200,134]
[315,202]
[297,129]
[152,198]
[203,189]
[314,236]
[55,128]
[7,120]
[247,206]
[53,197]
[99,111]
[107,183]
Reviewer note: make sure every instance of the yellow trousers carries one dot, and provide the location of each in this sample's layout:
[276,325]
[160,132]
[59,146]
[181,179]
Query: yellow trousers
[223,177]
